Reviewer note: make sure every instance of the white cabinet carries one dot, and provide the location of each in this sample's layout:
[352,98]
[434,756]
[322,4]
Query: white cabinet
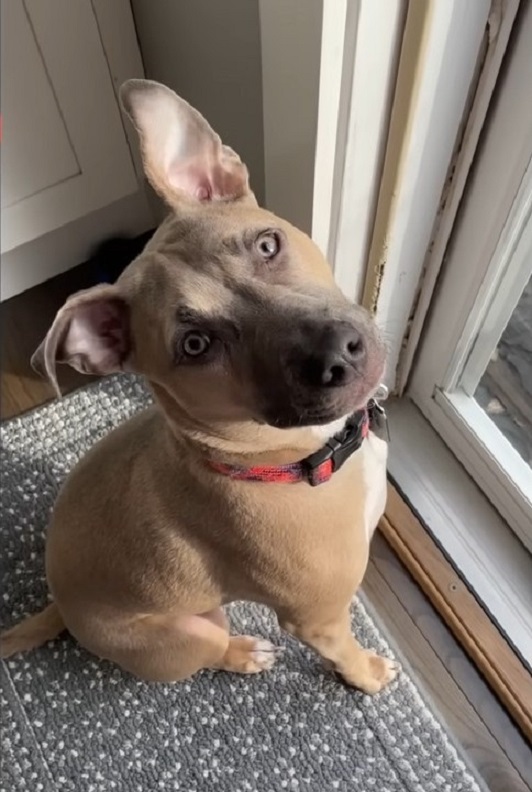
[64,152]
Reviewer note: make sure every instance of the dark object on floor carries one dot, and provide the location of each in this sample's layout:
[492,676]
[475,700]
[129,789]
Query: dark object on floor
[111,257]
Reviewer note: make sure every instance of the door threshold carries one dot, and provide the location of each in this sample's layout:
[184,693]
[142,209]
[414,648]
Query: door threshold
[471,625]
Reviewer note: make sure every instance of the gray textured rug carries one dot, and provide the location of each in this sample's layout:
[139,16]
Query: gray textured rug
[73,723]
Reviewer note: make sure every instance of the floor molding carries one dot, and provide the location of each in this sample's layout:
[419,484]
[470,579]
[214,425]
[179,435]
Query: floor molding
[466,619]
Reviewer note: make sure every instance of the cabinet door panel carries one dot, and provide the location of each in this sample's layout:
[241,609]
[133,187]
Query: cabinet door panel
[40,153]
[64,149]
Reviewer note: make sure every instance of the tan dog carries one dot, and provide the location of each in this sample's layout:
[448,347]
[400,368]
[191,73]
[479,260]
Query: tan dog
[255,358]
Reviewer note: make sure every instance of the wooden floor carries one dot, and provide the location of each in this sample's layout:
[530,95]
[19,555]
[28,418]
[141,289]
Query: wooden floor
[489,739]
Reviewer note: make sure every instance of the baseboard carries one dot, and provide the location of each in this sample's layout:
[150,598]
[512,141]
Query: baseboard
[469,623]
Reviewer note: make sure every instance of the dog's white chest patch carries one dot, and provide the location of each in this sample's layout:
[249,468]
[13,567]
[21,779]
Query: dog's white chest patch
[328,430]
[374,458]
[375,455]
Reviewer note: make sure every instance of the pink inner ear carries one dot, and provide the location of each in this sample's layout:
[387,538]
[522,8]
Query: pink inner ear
[97,339]
[206,180]
[193,179]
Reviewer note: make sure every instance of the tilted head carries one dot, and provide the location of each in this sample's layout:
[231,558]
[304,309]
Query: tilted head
[231,313]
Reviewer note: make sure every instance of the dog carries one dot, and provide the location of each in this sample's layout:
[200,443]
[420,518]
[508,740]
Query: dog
[256,474]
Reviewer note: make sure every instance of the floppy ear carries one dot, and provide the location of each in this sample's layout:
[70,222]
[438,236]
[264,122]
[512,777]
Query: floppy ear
[90,333]
[182,155]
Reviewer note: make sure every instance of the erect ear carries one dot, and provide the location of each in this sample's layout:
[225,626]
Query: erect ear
[182,155]
[90,333]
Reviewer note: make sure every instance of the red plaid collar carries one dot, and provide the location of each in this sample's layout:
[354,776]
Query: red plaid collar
[315,469]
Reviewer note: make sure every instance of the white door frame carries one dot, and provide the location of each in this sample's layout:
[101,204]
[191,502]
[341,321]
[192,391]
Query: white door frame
[374,215]
[441,46]
[360,48]
[500,24]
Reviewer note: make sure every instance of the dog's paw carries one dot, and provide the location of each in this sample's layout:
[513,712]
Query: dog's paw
[247,655]
[373,674]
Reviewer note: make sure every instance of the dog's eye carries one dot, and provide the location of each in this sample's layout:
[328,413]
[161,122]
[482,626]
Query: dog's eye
[268,244]
[196,344]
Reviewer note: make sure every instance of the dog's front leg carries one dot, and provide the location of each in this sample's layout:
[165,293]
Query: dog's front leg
[332,638]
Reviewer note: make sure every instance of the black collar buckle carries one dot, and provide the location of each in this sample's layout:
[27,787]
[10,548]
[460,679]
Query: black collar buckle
[338,449]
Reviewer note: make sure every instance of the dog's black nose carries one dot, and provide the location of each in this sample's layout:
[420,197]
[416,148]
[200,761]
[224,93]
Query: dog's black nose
[333,362]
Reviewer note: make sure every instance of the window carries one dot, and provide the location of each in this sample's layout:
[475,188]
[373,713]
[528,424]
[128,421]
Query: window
[473,379]
[478,391]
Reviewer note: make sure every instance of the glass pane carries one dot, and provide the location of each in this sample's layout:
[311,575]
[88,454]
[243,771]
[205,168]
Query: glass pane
[505,390]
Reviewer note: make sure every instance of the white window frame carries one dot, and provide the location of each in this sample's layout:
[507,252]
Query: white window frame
[463,523]
[493,227]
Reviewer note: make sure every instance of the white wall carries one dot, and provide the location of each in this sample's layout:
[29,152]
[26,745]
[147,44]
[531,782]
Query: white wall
[209,52]
[291,49]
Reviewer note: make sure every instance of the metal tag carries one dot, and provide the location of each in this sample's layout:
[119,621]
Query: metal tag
[382,393]
[378,421]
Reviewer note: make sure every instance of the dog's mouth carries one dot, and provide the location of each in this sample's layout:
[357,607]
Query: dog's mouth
[294,416]
[290,408]
[302,420]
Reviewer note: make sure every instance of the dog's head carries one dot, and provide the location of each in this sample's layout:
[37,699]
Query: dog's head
[231,313]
